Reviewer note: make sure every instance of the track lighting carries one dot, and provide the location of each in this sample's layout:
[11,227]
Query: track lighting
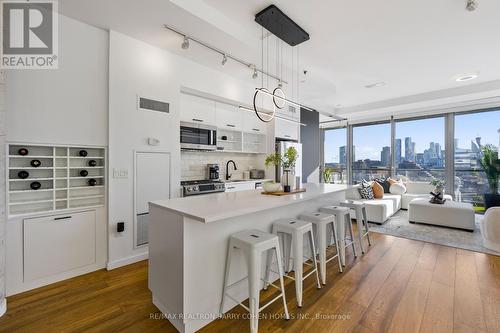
[185,43]
[224,59]
[254,75]
[471,5]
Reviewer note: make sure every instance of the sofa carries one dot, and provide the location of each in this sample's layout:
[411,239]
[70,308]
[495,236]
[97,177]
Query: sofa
[380,210]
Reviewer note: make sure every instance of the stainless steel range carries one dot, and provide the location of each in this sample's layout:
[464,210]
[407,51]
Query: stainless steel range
[195,187]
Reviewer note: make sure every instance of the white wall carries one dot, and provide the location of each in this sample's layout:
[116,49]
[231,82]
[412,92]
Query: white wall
[139,68]
[3,217]
[68,105]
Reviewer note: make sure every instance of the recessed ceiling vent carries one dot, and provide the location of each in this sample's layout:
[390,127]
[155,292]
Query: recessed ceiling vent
[276,22]
[147,104]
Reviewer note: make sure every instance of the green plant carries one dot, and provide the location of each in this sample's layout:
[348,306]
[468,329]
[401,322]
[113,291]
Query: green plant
[437,183]
[327,175]
[491,166]
[287,160]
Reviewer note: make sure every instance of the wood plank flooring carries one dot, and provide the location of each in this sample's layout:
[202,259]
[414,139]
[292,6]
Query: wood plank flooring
[399,285]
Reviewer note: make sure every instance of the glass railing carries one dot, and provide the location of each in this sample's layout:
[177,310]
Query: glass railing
[471,185]
[358,175]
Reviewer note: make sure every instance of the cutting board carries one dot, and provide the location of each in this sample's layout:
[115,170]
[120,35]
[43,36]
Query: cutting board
[281,193]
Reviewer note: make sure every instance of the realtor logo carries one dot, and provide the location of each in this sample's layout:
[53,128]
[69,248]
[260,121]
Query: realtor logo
[29,34]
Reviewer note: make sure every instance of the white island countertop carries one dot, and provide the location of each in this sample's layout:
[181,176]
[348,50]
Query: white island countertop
[214,207]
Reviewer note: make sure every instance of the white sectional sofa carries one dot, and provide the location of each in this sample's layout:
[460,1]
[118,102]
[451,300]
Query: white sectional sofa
[380,210]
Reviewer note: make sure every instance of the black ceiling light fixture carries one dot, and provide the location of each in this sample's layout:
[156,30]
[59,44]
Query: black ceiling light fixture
[280,25]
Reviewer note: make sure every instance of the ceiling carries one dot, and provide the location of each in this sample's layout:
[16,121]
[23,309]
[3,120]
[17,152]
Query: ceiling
[416,47]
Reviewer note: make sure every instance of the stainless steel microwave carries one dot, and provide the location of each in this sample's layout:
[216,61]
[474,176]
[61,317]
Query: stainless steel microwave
[198,136]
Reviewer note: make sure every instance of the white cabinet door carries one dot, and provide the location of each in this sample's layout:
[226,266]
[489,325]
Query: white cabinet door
[58,243]
[228,117]
[252,124]
[197,110]
[235,187]
[286,129]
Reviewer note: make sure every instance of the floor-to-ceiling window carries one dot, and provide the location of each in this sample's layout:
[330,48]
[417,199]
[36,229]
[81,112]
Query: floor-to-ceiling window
[335,154]
[472,131]
[371,151]
[419,149]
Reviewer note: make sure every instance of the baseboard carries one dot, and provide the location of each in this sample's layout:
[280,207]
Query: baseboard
[3,306]
[127,261]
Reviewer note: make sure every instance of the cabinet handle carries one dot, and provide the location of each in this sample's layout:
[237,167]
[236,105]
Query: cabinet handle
[230,125]
[231,187]
[198,120]
[256,129]
[287,136]
[62,218]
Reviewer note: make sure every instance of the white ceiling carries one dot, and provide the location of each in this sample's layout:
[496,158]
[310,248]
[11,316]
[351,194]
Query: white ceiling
[416,47]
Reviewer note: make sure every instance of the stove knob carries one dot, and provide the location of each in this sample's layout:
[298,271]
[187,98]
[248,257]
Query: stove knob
[188,189]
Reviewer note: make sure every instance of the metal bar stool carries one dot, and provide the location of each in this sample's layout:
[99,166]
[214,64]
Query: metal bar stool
[342,213]
[297,229]
[321,221]
[253,243]
[359,208]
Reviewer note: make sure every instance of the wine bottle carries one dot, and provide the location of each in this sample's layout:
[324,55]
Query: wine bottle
[92,182]
[23,151]
[92,163]
[84,173]
[83,153]
[23,174]
[35,185]
[36,163]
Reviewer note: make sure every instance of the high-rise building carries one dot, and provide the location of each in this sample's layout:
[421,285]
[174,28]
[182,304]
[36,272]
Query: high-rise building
[397,151]
[385,156]
[343,155]
[409,150]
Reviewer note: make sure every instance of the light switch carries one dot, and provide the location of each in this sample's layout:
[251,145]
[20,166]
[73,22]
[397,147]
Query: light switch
[120,173]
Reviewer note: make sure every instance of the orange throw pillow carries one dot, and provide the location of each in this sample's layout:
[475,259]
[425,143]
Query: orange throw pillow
[392,181]
[378,190]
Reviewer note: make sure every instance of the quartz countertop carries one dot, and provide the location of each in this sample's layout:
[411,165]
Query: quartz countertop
[220,206]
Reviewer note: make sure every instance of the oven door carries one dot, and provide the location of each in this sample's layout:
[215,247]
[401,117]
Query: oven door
[196,136]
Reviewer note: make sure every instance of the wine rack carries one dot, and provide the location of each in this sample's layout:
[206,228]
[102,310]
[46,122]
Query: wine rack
[59,175]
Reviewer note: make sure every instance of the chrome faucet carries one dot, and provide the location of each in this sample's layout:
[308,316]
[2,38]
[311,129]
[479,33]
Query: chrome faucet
[228,176]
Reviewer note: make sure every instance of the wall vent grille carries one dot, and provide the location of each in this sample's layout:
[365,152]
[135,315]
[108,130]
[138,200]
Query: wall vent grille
[153,105]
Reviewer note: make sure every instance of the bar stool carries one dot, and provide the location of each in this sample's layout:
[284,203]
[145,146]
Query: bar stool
[359,208]
[253,243]
[321,221]
[297,229]
[342,213]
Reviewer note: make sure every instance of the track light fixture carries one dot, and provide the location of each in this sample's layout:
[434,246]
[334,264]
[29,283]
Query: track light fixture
[224,59]
[254,75]
[471,5]
[185,43]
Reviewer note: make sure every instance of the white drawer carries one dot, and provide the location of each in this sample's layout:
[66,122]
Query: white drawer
[58,243]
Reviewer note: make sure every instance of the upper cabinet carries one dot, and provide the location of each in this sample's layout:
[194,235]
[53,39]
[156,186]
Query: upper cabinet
[284,129]
[290,112]
[197,110]
[228,117]
[252,124]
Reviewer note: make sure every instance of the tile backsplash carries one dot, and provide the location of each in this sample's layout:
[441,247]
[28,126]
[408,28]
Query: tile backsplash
[194,164]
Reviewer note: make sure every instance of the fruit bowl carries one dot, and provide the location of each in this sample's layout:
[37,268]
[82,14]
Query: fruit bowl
[271,187]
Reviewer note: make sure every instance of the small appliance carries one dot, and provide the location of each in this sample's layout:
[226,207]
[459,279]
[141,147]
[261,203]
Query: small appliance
[257,174]
[213,171]
[198,136]
[196,187]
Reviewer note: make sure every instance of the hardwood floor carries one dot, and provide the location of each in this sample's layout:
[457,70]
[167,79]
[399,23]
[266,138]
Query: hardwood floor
[399,285]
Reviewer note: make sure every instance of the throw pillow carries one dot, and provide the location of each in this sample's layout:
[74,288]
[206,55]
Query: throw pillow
[378,190]
[398,188]
[391,181]
[366,191]
[385,184]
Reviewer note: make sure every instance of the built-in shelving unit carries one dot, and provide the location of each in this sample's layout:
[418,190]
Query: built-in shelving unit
[240,142]
[62,185]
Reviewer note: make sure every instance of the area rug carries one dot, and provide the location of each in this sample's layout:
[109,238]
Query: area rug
[399,226]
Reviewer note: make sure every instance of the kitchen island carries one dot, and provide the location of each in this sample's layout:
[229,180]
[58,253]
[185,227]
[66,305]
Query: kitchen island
[188,240]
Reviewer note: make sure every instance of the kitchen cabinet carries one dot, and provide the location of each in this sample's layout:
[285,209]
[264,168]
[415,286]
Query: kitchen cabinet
[240,186]
[290,112]
[58,243]
[228,117]
[286,129]
[252,124]
[197,110]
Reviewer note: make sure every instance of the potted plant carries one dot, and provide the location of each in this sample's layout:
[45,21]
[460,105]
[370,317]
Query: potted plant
[327,175]
[491,167]
[287,162]
[438,185]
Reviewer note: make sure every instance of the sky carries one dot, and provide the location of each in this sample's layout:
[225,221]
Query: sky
[369,140]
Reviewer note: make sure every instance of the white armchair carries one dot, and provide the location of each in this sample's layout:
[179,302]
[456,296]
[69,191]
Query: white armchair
[490,229]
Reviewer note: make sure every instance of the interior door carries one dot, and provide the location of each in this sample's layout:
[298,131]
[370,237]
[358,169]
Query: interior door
[152,182]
